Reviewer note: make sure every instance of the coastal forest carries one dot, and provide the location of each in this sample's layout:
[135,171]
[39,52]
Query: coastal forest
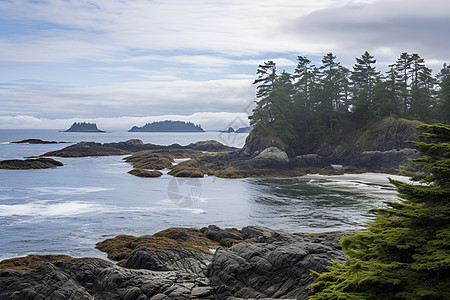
[331,103]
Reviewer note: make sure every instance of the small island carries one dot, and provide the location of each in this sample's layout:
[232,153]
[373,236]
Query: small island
[168,126]
[83,127]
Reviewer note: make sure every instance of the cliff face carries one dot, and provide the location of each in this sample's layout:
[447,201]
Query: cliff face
[380,147]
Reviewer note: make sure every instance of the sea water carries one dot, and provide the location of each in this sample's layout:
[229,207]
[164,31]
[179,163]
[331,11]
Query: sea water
[69,209]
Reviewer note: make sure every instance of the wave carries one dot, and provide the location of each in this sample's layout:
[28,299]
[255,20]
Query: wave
[69,190]
[49,209]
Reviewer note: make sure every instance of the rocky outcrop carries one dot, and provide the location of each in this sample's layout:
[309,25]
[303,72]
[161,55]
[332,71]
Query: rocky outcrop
[273,153]
[83,149]
[255,144]
[145,173]
[37,141]
[277,266]
[94,279]
[261,263]
[27,164]
[135,145]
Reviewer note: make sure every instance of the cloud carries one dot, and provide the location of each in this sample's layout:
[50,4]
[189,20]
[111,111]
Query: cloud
[139,98]
[385,28]
[106,29]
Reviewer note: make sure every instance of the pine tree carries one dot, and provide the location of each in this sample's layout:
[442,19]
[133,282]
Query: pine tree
[405,254]
[443,105]
[364,76]
[265,111]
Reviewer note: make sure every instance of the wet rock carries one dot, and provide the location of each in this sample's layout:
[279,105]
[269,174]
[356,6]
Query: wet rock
[178,259]
[145,173]
[93,279]
[86,149]
[277,268]
[36,141]
[27,164]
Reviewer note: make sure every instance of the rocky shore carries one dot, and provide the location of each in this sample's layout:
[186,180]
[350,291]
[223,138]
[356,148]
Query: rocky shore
[251,263]
[382,149]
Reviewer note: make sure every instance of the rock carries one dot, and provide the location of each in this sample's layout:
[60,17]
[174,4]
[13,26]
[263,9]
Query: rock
[176,264]
[37,141]
[177,259]
[93,279]
[86,149]
[27,164]
[273,153]
[186,170]
[145,173]
[148,159]
[278,268]
[255,144]
[210,146]
[29,262]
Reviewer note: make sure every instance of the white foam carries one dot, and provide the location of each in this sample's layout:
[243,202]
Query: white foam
[69,190]
[179,160]
[5,143]
[49,209]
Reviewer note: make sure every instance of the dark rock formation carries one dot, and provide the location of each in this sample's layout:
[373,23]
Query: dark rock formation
[83,127]
[145,173]
[37,141]
[178,259]
[168,126]
[134,145]
[87,149]
[276,265]
[94,279]
[261,263]
[27,164]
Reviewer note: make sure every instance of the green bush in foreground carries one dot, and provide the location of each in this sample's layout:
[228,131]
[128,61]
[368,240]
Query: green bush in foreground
[405,254]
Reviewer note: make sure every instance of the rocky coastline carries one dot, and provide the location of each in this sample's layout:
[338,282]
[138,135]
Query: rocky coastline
[251,263]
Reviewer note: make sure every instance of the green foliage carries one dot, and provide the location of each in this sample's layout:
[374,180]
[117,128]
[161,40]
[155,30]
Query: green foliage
[321,103]
[405,253]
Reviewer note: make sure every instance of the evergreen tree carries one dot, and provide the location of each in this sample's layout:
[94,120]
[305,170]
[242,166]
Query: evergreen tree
[265,110]
[405,254]
[422,89]
[402,68]
[364,77]
[443,105]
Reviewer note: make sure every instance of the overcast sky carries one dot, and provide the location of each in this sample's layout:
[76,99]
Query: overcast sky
[121,63]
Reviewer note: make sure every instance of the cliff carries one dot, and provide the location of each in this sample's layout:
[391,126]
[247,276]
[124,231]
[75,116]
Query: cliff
[168,126]
[83,127]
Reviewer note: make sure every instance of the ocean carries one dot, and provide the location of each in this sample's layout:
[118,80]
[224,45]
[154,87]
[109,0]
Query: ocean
[69,209]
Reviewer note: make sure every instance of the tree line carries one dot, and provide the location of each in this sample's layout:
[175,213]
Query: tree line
[315,100]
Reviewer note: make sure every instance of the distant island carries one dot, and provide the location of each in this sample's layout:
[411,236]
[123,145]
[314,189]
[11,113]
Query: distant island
[168,126]
[83,127]
[240,130]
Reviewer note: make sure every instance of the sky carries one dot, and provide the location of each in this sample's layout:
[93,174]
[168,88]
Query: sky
[121,63]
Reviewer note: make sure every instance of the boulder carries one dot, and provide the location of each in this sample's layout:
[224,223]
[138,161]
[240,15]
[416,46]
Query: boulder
[273,153]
